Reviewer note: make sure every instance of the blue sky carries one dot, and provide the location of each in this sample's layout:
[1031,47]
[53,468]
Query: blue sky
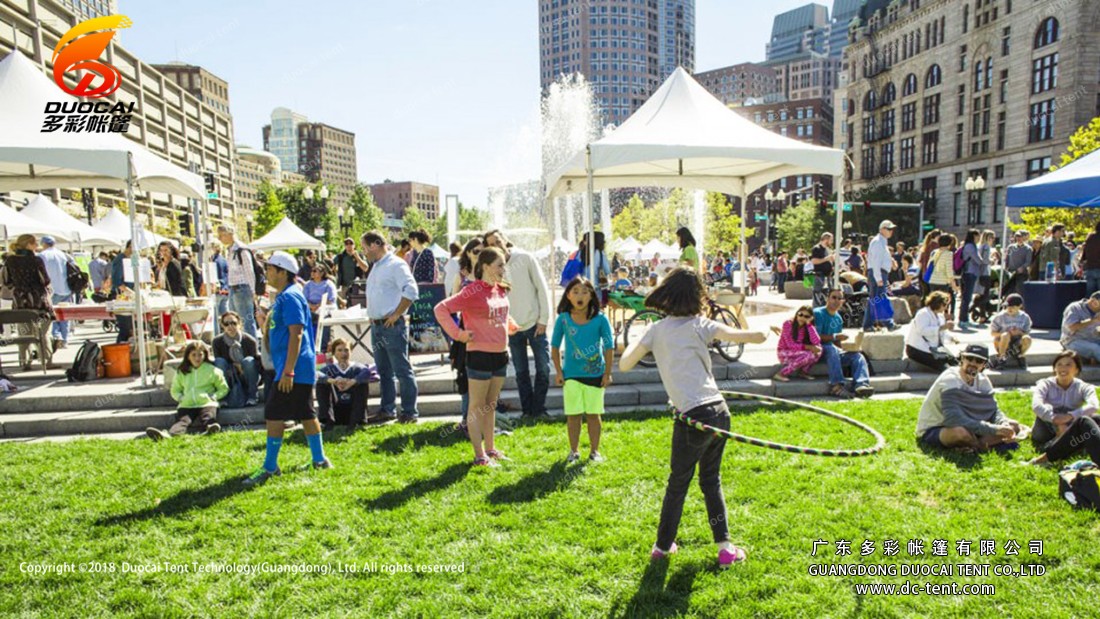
[440,91]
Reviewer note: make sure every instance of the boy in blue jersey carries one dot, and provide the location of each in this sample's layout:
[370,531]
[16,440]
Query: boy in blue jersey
[288,337]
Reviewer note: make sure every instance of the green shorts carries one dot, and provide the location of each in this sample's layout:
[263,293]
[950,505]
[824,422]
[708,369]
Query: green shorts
[581,398]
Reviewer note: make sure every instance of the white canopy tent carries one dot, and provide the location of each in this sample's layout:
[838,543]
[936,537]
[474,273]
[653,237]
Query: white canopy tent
[116,225]
[41,209]
[286,235]
[684,137]
[13,223]
[627,247]
[31,159]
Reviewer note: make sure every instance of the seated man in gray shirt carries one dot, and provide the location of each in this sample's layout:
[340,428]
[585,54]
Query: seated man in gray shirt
[960,412]
[1079,327]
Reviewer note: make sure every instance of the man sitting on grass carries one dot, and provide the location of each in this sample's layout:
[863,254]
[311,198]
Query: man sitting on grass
[1010,328]
[960,412]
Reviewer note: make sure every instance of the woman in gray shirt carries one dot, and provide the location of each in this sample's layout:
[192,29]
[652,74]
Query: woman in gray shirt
[1065,413]
[972,269]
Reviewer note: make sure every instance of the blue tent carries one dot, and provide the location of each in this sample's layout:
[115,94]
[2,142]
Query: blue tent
[1075,185]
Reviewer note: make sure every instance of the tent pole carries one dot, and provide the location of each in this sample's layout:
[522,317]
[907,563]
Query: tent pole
[839,225]
[590,214]
[742,251]
[1004,251]
[135,262]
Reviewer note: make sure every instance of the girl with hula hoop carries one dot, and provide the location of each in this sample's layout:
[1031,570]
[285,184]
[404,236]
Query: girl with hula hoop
[680,344]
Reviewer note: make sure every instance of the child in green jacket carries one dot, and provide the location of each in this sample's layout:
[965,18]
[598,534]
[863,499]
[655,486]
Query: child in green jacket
[198,386]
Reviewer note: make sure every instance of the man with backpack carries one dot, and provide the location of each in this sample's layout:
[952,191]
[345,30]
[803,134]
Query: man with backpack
[243,278]
[58,268]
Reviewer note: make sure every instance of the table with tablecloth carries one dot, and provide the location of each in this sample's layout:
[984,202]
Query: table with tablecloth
[1045,302]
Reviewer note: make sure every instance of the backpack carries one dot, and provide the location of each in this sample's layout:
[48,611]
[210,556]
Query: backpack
[1077,485]
[572,269]
[257,271]
[76,279]
[86,364]
[958,261]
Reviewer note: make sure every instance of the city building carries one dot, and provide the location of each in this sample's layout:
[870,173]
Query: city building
[734,85]
[395,197]
[202,84]
[168,120]
[253,168]
[318,151]
[798,31]
[809,75]
[625,49]
[937,93]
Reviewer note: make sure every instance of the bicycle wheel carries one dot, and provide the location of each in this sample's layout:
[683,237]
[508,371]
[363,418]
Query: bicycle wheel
[730,351]
[636,328]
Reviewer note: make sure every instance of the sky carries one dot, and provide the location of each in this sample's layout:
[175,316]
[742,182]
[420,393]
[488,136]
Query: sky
[438,91]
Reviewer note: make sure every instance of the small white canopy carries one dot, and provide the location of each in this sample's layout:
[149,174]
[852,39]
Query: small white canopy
[13,223]
[439,252]
[117,225]
[43,210]
[286,235]
[684,137]
[31,159]
[627,247]
[655,247]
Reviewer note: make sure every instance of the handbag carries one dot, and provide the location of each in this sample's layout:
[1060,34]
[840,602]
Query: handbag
[1077,485]
[927,277]
[881,309]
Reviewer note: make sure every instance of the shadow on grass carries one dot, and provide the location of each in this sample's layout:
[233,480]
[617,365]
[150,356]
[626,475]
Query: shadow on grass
[964,461]
[183,502]
[535,486]
[396,498]
[441,435]
[655,598]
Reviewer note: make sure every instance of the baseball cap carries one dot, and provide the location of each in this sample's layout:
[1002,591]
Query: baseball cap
[284,261]
[1014,299]
[1095,296]
[48,240]
[976,350]
[886,223]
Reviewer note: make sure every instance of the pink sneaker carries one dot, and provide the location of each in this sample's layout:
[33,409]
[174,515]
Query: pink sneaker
[486,462]
[657,554]
[727,558]
[497,455]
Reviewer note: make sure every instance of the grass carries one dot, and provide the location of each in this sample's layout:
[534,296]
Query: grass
[535,538]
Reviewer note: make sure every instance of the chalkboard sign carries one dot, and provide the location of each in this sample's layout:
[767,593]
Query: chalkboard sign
[425,334]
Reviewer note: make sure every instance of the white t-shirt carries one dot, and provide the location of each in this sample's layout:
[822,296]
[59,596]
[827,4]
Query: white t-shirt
[681,347]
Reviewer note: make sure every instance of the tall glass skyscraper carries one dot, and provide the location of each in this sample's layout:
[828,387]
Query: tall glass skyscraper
[625,48]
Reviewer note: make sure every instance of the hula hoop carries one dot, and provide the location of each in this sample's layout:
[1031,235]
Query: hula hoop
[880,442]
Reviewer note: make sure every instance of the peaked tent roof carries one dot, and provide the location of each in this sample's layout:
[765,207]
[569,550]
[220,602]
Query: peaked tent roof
[44,210]
[115,224]
[684,137]
[13,223]
[286,235]
[31,159]
[1076,184]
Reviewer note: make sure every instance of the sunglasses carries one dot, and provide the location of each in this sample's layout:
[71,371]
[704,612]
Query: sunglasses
[805,316]
[836,298]
[230,323]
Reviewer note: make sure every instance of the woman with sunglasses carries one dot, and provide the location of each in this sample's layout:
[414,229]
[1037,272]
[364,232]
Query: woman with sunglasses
[799,346]
[319,288]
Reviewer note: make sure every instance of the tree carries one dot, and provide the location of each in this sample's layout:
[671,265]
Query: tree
[627,221]
[800,226]
[1080,220]
[723,224]
[367,216]
[414,219]
[472,218]
[270,211]
[309,215]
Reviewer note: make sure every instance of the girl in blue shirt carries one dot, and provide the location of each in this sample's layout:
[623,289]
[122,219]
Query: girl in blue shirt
[589,351]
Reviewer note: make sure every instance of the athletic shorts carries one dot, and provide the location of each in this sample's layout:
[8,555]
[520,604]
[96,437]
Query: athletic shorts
[294,406]
[482,365]
[581,398]
[931,437]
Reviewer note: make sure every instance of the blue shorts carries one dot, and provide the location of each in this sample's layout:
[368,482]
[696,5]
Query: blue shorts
[931,437]
[486,365]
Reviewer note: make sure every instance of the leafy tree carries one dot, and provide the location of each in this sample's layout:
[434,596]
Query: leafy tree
[367,216]
[723,231]
[270,211]
[472,218]
[626,222]
[308,215]
[800,226]
[1080,220]
[414,219]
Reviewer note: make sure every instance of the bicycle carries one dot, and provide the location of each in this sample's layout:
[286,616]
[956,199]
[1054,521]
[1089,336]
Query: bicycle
[638,324]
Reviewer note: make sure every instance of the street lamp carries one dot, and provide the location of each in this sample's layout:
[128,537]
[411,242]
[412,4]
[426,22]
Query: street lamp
[345,224]
[248,221]
[974,186]
[769,198]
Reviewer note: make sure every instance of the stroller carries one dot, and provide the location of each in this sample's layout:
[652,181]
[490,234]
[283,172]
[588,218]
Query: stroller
[987,300]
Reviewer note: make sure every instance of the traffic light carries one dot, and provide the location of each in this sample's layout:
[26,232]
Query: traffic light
[867,206]
[185,224]
[211,190]
[819,193]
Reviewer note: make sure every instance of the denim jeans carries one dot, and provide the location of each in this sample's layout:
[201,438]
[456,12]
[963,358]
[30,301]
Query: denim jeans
[968,283]
[821,283]
[60,328]
[691,447]
[875,290]
[221,306]
[532,399]
[1089,349]
[1092,281]
[836,360]
[391,354]
[242,301]
[780,281]
[251,380]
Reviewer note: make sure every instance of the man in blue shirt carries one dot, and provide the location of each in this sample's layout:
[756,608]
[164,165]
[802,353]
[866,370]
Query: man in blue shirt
[288,335]
[123,323]
[57,267]
[829,325]
[222,293]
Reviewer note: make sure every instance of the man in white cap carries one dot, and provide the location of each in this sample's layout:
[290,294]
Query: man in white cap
[879,264]
[288,336]
[57,267]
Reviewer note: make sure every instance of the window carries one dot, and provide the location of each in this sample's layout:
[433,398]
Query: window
[966,17]
[867,163]
[998,203]
[1004,87]
[907,153]
[932,109]
[809,130]
[962,100]
[957,206]
[889,93]
[928,191]
[979,76]
[1006,37]
[1047,33]
[930,148]
[869,129]
[870,102]
[1041,121]
[909,116]
[1037,167]
[999,171]
[1001,134]
[962,57]
[887,123]
[887,164]
[1044,73]
[910,86]
[958,144]
[934,76]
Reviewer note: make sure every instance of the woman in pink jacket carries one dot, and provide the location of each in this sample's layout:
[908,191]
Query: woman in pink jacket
[799,345]
[484,309]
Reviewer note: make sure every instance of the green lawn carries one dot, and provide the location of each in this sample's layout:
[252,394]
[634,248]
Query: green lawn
[534,538]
